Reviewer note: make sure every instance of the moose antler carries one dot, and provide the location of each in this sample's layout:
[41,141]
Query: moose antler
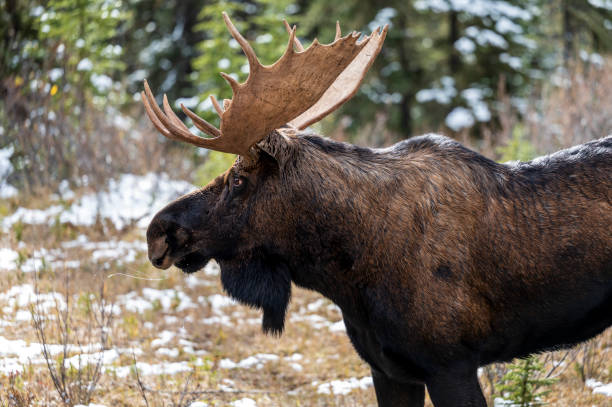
[300,88]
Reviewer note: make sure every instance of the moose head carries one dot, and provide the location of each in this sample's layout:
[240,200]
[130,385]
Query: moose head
[253,217]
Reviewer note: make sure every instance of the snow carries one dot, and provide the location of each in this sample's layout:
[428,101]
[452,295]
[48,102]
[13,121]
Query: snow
[504,25]
[465,46]
[260,39]
[167,299]
[147,369]
[256,361]
[55,74]
[22,296]
[599,387]
[479,8]
[337,327]
[171,353]
[138,196]
[164,338]
[244,402]
[89,405]
[219,301]
[459,118]
[343,387]
[85,64]
[103,83]
[105,357]
[8,258]
[486,37]
[383,17]
[442,93]
[514,62]
[17,354]
[189,103]
[315,305]
[474,98]
[605,4]
[6,168]
[198,404]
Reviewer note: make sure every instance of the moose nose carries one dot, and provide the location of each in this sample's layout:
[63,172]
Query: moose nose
[158,253]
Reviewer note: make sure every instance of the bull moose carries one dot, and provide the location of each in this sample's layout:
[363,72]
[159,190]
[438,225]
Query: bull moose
[440,259]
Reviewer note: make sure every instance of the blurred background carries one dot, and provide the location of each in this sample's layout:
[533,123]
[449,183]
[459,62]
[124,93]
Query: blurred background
[85,319]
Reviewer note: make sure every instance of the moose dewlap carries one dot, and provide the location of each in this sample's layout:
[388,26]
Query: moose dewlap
[440,259]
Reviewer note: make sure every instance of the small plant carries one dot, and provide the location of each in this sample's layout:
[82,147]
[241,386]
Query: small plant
[74,384]
[14,394]
[523,385]
[517,148]
[216,163]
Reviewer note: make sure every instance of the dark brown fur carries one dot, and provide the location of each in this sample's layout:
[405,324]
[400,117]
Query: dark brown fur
[440,259]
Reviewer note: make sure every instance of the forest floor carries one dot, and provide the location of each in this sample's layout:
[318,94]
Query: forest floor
[75,276]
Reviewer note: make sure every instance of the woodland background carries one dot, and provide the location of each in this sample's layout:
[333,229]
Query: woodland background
[82,170]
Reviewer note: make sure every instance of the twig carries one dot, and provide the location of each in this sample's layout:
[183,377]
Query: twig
[141,386]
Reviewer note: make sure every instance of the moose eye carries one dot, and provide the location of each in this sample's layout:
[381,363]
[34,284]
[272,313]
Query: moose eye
[238,181]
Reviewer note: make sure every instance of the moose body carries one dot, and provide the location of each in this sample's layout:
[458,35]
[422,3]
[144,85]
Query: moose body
[440,259]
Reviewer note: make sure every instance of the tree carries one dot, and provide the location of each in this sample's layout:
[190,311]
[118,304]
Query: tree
[522,384]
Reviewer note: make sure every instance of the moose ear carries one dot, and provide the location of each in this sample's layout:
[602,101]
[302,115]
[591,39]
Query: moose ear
[279,144]
[261,283]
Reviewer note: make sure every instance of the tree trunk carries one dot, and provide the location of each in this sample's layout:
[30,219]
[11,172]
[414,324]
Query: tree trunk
[454,61]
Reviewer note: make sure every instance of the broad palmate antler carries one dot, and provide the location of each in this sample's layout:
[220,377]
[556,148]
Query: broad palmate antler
[301,88]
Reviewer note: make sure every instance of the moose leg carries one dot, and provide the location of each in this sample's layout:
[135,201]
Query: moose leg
[453,388]
[390,393]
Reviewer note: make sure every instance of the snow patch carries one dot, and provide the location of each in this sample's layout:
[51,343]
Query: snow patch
[244,402]
[599,387]
[343,387]
[8,258]
[138,196]
[459,118]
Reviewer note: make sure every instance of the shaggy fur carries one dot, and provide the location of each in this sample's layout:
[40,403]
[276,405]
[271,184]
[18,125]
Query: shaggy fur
[440,259]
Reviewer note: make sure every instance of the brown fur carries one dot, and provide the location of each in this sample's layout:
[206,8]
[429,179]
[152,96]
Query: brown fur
[440,259]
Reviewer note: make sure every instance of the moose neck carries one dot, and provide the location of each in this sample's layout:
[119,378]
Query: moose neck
[344,200]
[348,202]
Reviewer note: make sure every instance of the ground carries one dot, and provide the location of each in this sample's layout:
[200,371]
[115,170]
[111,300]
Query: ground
[72,267]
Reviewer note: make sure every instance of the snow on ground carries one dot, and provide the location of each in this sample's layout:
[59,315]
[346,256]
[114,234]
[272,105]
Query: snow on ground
[17,354]
[8,258]
[600,388]
[244,402]
[138,196]
[22,296]
[148,369]
[343,387]
[168,299]
[258,361]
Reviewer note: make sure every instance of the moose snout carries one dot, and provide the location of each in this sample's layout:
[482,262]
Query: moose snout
[158,252]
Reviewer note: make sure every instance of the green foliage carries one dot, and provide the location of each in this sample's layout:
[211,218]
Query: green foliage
[517,148]
[216,163]
[523,385]
[70,54]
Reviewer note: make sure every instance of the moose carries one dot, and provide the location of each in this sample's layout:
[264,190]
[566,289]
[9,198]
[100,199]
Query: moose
[440,259]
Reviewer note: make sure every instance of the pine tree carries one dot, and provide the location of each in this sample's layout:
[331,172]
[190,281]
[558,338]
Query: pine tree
[523,385]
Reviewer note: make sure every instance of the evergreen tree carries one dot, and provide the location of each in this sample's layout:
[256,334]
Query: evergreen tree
[522,384]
